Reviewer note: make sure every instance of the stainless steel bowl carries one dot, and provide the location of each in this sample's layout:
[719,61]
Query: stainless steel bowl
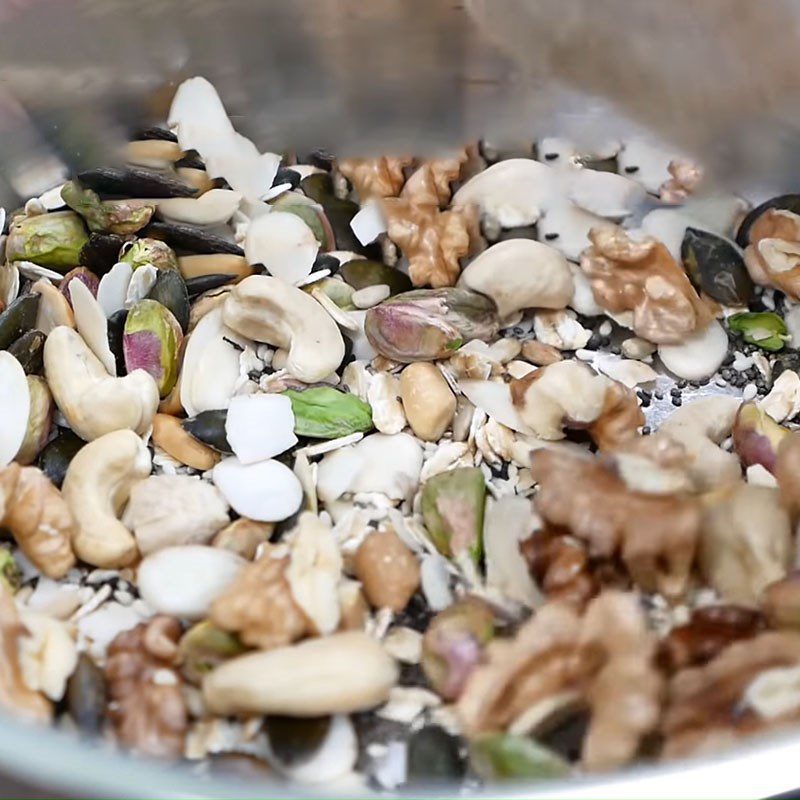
[76,76]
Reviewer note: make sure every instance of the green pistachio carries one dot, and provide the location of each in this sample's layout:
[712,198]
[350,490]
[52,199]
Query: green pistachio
[151,341]
[108,216]
[325,413]
[10,573]
[204,646]
[149,251]
[428,324]
[764,329]
[502,756]
[50,240]
[453,503]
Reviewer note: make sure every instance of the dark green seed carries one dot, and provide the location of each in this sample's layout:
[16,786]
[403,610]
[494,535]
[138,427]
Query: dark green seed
[170,290]
[18,318]
[190,238]
[56,456]
[101,252]
[86,696]
[204,283]
[434,757]
[717,267]
[296,739]
[134,182]
[319,187]
[209,428]
[116,333]
[29,351]
[362,273]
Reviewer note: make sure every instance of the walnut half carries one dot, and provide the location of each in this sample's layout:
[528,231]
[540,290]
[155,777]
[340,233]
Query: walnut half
[604,659]
[644,278]
[146,705]
[655,534]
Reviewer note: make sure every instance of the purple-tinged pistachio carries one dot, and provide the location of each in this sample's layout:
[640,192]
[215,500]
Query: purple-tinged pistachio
[756,437]
[505,756]
[107,216]
[151,341]
[453,503]
[149,251]
[40,420]
[780,602]
[82,274]
[453,645]
[427,324]
[50,240]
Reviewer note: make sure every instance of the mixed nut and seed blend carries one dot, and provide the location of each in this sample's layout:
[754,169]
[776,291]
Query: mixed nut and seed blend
[380,471]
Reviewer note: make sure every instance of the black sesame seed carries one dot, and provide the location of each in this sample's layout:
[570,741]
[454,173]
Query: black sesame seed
[677,401]
[631,170]
[550,156]
[551,236]
[646,430]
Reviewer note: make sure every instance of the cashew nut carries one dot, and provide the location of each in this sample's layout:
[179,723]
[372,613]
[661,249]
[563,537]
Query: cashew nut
[54,310]
[96,487]
[700,426]
[93,402]
[520,273]
[269,310]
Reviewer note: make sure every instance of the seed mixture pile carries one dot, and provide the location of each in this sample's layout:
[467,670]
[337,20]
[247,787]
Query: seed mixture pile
[380,471]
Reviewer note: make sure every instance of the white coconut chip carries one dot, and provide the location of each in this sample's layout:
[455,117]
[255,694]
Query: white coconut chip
[699,356]
[369,223]
[92,324]
[201,123]
[113,288]
[494,397]
[214,207]
[267,491]
[51,199]
[283,243]
[210,369]
[260,426]
[629,372]
[35,271]
[15,404]
[141,283]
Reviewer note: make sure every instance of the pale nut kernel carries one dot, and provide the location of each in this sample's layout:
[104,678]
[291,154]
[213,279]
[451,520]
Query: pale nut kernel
[540,353]
[388,570]
[427,399]
[170,436]
[243,536]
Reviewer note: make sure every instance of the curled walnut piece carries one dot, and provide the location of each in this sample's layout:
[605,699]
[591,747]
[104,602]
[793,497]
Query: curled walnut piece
[773,255]
[14,693]
[429,184]
[707,633]
[656,535]
[259,605]
[32,508]
[705,709]
[146,706]
[644,278]
[604,656]
[375,177]
[685,178]
[433,241]
[560,566]
[569,394]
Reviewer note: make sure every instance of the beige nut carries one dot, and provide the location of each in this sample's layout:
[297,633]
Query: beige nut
[243,537]
[387,569]
[170,436]
[214,264]
[337,674]
[96,487]
[427,399]
[541,354]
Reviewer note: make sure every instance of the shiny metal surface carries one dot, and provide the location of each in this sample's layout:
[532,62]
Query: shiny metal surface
[716,78]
